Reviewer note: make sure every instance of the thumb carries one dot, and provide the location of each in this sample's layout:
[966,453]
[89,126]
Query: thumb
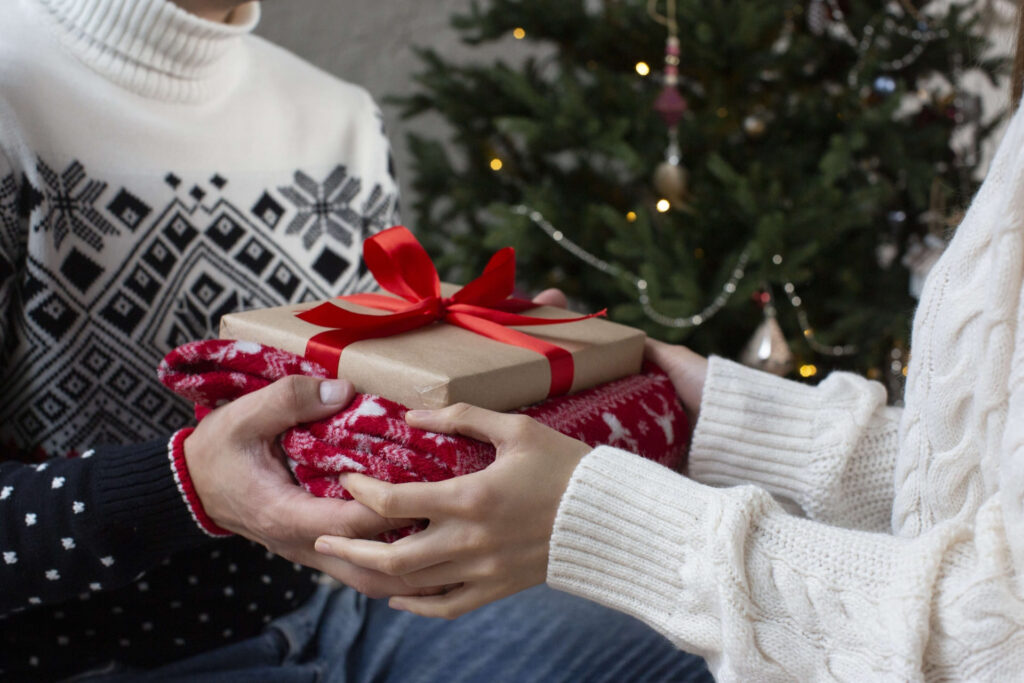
[658,352]
[311,517]
[552,297]
[290,401]
[686,369]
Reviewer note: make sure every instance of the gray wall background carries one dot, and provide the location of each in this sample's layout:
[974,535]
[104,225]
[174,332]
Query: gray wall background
[370,43]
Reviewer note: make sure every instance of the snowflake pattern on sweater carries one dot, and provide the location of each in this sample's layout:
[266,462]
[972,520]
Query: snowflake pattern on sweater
[78,369]
[143,193]
[198,257]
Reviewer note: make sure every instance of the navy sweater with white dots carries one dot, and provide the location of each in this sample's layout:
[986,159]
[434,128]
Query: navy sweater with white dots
[156,171]
[107,565]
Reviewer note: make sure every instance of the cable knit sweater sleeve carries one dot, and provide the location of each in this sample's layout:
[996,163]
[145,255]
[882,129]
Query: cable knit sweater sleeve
[830,449]
[768,596]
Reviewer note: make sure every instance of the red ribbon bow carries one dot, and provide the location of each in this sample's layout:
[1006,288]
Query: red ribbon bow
[484,306]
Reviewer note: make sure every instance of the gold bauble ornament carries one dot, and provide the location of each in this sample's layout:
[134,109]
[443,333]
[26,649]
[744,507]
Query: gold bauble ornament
[768,349]
[670,181]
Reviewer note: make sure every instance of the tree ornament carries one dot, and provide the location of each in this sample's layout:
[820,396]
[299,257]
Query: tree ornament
[920,257]
[897,219]
[768,349]
[819,16]
[884,85]
[670,182]
[670,178]
[886,253]
[754,126]
[670,104]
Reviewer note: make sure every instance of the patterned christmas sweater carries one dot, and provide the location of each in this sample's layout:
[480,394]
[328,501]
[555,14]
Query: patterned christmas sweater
[156,171]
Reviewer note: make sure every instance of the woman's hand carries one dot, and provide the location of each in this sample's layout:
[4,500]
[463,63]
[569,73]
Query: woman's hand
[489,531]
[239,473]
[686,369]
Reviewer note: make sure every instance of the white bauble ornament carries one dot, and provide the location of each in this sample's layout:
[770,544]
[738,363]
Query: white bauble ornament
[754,126]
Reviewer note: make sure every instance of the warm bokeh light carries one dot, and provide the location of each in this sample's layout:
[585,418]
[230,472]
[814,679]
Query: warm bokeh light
[496,164]
[631,216]
[519,34]
[663,205]
[808,370]
[642,68]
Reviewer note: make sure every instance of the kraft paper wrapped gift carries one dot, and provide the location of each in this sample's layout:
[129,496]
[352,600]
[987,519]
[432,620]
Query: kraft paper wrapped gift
[441,364]
[428,345]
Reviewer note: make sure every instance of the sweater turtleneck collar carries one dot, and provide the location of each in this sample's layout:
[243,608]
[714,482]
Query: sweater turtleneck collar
[151,47]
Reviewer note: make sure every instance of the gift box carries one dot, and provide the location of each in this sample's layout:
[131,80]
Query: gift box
[428,345]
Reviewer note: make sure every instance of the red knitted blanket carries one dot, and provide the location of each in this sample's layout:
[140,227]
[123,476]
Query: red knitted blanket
[639,413]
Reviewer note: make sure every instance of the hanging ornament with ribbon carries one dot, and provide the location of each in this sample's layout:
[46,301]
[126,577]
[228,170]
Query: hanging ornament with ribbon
[670,177]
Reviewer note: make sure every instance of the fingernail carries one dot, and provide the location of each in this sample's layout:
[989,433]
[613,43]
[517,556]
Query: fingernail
[322,546]
[417,414]
[332,391]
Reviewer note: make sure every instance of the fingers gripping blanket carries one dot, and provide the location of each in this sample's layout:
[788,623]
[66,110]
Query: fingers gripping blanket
[639,413]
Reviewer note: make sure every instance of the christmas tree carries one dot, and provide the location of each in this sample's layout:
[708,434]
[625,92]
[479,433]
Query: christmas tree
[756,179]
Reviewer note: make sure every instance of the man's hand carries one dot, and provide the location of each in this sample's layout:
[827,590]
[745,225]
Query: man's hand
[489,531]
[239,473]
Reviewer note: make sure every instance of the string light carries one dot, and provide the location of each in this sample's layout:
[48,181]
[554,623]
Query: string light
[709,311]
[643,68]
[808,370]
[643,298]
[801,315]
[663,205]
[518,33]
[922,35]
[496,164]
[631,216]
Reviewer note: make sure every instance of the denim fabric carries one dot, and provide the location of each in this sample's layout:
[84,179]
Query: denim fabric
[340,636]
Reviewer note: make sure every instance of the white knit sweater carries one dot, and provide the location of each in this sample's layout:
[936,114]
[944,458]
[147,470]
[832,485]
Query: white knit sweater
[156,171]
[908,564]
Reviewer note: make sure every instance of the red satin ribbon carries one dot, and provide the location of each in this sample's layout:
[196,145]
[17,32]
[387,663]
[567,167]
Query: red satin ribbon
[402,267]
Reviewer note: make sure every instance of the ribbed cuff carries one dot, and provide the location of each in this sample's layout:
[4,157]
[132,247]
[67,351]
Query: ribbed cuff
[685,558]
[755,428]
[139,493]
[629,535]
[176,454]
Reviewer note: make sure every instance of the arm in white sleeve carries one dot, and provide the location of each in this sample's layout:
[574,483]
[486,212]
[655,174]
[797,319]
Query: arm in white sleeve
[830,449]
[766,596]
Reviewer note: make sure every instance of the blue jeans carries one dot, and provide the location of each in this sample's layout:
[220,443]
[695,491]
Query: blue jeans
[340,636]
